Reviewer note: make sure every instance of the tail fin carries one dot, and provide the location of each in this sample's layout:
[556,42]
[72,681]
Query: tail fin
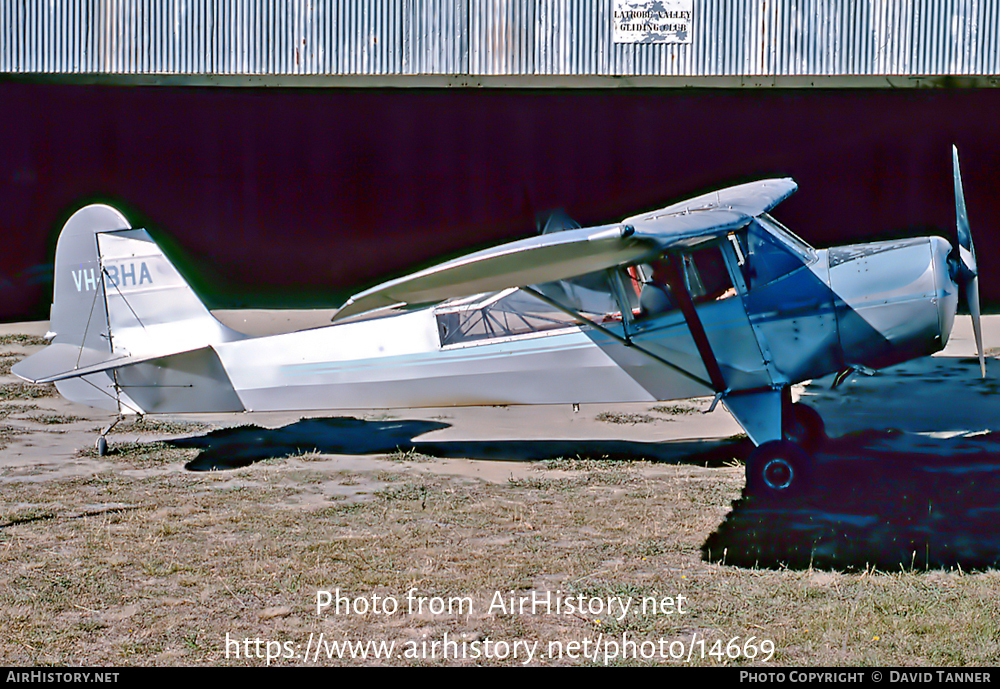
[117,301]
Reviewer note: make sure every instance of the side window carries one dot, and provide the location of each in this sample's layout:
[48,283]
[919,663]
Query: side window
[707,276]
[765,258]
[704,273]
[655,294]
[505,314]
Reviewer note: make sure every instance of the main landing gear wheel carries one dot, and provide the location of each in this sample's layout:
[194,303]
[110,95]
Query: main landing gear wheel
[777,469]
[804,427]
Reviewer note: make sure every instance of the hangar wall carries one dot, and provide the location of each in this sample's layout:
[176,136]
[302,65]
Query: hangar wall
[295,196]
[415,129]
[484,38]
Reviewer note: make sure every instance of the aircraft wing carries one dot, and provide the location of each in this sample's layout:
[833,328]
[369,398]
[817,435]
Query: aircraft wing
[751,199]
[548,257]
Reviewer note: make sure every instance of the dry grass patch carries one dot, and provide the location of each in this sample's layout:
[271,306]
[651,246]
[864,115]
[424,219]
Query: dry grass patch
[14,408]
[411,455]
[52,418]
[674,410]
[133,566]
[24,391]
[145,425]
[6,363]
[8,432]
[135,454]
[22,340]
[625,418]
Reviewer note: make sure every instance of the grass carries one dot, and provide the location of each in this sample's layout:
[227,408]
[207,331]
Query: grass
[8,432]
[52,419]
[140,454]
[142,563]
[410,455]
[625,418]
[23,391]
[674,410]
[14,408]
[139,562]
[144,425]
[197,556]
[23,340]
[580,464]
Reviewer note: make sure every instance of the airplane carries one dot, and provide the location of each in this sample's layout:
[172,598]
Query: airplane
[706,297]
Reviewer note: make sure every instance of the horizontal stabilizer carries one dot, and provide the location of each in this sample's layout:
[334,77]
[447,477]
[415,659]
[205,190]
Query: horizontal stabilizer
[64,361]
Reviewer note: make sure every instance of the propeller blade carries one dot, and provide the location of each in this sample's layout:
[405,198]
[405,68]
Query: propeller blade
[557,220]
[966,251]
[972,295]
[968,272]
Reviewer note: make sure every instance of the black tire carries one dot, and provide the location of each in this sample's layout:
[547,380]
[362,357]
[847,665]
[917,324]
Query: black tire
[777,469]
[805,427]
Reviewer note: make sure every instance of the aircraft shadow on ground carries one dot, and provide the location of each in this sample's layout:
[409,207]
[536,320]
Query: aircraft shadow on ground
[231,448]
[877,499]
[905,485]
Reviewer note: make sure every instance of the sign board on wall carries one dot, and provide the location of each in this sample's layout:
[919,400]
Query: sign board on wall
[652,21]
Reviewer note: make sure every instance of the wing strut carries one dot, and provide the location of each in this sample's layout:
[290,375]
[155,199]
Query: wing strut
[686,303]
[610,333]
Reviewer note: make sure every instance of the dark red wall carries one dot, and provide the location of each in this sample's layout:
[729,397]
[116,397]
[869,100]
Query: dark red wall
[293,197]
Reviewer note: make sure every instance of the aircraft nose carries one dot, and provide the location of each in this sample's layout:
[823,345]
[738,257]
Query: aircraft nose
[897,299]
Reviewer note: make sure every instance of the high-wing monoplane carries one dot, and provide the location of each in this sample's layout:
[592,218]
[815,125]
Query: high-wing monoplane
[708,297]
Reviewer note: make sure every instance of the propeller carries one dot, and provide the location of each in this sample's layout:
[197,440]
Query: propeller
[555,221]
[964,269]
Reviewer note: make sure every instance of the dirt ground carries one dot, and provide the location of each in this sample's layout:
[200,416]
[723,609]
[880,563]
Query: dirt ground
[614,535]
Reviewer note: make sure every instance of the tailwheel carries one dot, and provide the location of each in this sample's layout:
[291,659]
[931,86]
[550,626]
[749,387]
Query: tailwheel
[778,468]
[101,444]
[804,427]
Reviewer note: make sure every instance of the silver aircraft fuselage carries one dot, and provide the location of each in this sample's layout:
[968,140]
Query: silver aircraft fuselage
[869,305]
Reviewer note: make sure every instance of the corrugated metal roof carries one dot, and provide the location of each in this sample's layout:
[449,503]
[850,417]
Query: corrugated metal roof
[733,38]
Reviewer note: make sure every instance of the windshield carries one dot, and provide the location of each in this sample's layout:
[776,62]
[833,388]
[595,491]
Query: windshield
[768,251]
[789,238]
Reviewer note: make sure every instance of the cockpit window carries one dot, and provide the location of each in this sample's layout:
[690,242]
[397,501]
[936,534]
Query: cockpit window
[705,276]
